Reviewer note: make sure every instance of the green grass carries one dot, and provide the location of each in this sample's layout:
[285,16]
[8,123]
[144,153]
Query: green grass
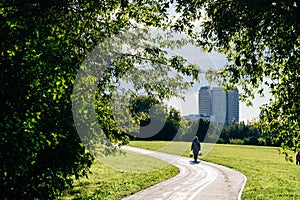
[117,176]
[269,175]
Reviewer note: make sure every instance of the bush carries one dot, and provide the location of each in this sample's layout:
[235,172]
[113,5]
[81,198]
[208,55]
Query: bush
[251,141]
[211,138]
[236,141]
[221,141]
[262,141]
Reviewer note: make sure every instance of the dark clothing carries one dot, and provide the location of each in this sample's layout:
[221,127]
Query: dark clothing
[196,148]
[298,159]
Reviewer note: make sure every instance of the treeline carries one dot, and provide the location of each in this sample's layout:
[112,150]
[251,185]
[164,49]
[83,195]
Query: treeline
[237,133]
[178,129]
[241,133]
[167,125]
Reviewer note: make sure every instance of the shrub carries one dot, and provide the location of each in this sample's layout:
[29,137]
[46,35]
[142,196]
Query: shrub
[251,141]
[236,141]
[262,141]
[221,141]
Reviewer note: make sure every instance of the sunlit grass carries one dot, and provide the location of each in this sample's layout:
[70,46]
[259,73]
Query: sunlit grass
[133,162]
[269,175]
[117,176]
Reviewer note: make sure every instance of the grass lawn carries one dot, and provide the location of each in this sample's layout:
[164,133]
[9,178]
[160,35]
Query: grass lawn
[269,175]
[117,176]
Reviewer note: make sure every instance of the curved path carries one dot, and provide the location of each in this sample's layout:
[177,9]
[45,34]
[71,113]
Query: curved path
[202,180]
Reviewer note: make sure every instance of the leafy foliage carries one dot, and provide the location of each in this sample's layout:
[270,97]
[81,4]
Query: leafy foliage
[240,133]
[42,46]
[196,128]
[261,41]
[117,71]
[158,122]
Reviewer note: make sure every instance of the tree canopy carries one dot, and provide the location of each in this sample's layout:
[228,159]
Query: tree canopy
[44,43]
[261,41]
[43,46]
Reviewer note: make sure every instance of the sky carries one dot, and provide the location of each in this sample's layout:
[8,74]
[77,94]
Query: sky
[205,61]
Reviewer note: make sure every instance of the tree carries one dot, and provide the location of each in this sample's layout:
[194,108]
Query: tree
[157,121]
[43,44]
[198,128]
[170,127]
[261,41]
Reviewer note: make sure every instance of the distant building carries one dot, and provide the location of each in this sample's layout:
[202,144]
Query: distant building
[204,100]
[194,117]
[232,112]
[221,107]
[218,104]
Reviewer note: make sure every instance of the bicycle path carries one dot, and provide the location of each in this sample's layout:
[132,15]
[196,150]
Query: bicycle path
[203,180]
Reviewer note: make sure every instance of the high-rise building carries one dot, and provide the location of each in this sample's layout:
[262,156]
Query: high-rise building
[222,106]
[204,102]
[232,113]
[218,104]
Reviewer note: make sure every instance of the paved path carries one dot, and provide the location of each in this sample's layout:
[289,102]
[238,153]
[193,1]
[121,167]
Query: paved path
[205,181]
